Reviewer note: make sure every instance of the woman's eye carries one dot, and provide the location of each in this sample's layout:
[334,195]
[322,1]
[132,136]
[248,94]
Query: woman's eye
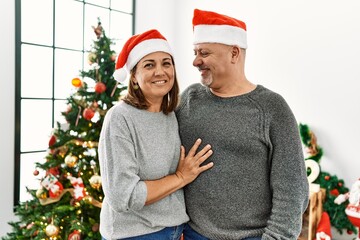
[149,65]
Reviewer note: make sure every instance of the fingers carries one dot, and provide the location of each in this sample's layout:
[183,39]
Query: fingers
[204,154]
[206,167]
[182,153]
[203,151]
[194,147]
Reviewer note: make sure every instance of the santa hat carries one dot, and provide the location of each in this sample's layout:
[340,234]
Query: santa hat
[137,47]
[212,27]
[323,230]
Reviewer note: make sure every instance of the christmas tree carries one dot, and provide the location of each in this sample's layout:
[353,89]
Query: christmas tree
[68,203]
[332,185]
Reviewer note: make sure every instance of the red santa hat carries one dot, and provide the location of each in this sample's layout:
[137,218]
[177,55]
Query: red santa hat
[137,47]
[212,27]
[323,230]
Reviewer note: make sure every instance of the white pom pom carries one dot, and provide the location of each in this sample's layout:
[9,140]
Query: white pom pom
[120,75]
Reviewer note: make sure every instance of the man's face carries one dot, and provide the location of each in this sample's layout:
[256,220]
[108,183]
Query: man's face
[212,60]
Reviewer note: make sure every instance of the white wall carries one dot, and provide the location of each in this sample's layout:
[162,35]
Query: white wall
[308,51]
[7,97]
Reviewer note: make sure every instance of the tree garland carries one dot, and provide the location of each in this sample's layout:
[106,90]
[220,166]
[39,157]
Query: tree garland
[330,183]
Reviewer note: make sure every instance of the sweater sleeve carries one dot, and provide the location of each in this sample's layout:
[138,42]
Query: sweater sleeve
[288,177]
[119,168]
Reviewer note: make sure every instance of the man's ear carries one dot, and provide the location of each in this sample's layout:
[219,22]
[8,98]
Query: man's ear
[235,53]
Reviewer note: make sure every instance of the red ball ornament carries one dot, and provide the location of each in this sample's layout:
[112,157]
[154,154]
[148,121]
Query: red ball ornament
[334,192]
[88,114]
[52,140]
[340,184]
[349,232]
[36,172]
[327,177]
[76,82]
[75,235]
[100,87]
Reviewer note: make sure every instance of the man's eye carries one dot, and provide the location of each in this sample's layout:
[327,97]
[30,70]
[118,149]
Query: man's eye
[204,53]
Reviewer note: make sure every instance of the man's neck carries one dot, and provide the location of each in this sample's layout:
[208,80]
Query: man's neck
[233,89]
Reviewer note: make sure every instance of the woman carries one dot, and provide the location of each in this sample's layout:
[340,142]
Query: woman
[142,164]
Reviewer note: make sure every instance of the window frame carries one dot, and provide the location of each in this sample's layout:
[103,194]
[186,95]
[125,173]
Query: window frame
[18,78]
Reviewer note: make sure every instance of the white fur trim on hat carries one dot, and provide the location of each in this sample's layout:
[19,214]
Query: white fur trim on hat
[224,34]
[144,48]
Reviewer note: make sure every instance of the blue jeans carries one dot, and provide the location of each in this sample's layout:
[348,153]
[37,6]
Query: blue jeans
[191,234]
[168,233]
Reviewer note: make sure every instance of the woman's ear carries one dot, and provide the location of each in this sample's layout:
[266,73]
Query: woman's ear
[132,77]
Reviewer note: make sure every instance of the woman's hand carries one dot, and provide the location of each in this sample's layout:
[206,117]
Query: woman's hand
[189,166]
[188,169]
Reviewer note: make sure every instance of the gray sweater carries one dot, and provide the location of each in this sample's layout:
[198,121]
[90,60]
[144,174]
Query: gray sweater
[137,145]
[258,185]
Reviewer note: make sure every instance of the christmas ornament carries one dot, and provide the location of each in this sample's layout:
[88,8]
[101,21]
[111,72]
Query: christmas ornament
[334,192]
[36,172]
[51,183]
[41,193]
[79,191]
[95,181]
[75,235]
[51,230]
[52,140]
[70,160]
[100,87]
[88,114]
[76,82]
[98,30]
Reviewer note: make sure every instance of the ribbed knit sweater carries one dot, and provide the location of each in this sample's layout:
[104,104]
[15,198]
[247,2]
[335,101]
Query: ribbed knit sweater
[258,185]
[137,145]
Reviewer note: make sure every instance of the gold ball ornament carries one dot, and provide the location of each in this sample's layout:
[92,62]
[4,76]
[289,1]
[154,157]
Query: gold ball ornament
[51,230]
[76,82]
[41,194]
[70,160]
[95,181]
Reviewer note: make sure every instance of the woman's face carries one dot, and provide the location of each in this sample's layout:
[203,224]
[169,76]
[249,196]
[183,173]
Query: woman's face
[155,74]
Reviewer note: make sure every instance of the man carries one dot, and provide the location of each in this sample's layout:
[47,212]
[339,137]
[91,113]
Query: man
[257,188]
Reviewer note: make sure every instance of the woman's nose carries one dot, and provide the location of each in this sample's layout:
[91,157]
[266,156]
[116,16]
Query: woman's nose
[159,71]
